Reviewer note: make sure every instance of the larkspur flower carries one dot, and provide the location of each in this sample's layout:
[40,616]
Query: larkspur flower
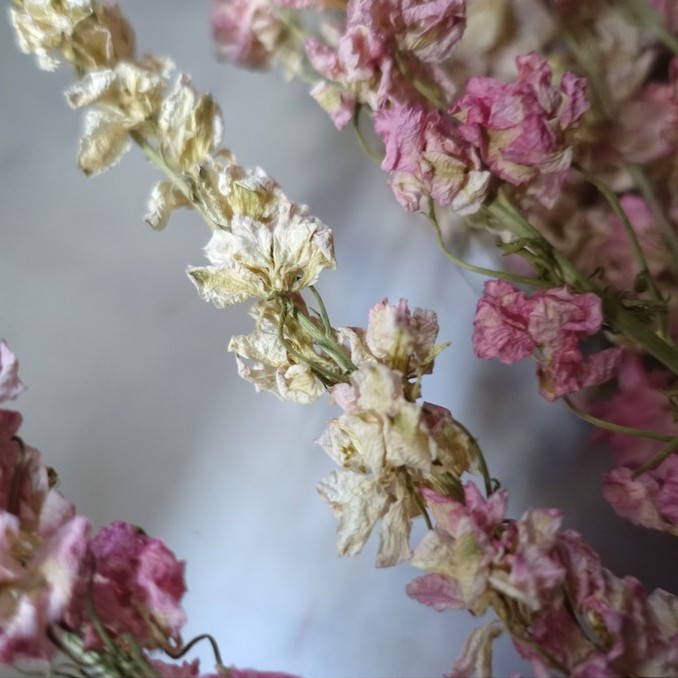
[549,325]
[427,157]
[522,129]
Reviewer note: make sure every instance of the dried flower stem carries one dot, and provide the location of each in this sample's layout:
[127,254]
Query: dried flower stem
[154,155]
[636,247]
[618,318]
[490,273]
[616,428]
[657,459]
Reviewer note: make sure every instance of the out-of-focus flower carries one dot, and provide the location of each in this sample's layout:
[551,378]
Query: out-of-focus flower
[428,158]
[248,32]
[522,129]
[273,247]
[42,542]
[641,401]
[128,97]
[136,588]
[86,33]
[548,325]
[41,27]
[645,124]
[10,384]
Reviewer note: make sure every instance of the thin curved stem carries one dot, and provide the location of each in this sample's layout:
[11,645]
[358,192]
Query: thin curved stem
[645,14]
[490,273]
[616,428]
[618,318]
[372,155]
[638,252]
[154,155]
[658,459]
[184,649]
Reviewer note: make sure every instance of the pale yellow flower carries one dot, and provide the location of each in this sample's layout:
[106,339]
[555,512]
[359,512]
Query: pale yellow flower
[190,126]
[256,258]
[45,26]
[128,98]
[264,361]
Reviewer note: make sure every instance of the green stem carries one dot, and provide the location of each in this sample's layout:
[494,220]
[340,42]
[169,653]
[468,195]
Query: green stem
[484,470]
[641,10]
[154,155]
[423,88]
[618,318]
[657,459]
[330,378]
[638,253]
[491,273]
[421,504]
[323,341]
[327,325]
[617,428]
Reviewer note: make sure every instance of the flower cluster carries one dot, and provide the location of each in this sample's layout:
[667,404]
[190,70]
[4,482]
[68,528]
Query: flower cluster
[549,326]
[553,126]
[563,609]
[105,601]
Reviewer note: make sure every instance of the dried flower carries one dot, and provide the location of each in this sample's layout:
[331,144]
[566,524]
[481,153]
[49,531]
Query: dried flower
[428,158]
[264,361]
[278,250]
[521,129]
[549,325]
[129,96]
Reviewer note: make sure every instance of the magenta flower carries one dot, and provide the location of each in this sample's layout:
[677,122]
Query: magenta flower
[522,129]
[641,401]
[137,586]
[42,542]
[549,325]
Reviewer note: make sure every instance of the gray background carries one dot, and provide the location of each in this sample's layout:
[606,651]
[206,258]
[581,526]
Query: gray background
[134,399]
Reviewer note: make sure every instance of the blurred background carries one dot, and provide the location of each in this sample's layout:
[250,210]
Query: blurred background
[135,401]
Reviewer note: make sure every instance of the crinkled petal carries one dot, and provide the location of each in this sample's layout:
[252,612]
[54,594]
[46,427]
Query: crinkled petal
[358,502]
[10,384]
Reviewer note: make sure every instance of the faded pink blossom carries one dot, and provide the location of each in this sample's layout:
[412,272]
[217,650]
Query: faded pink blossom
[402,339]
[668,10]
[645,125]
[428,28]
[612,255]
[42,542]
[641,401]
[247,32]
[137,586]
[10,384]
[426,157]
[575,616]
[549,325]
[360,67]
[38,577]
[522,129]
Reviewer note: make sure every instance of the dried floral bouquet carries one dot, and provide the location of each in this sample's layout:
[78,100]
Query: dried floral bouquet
[548,128]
